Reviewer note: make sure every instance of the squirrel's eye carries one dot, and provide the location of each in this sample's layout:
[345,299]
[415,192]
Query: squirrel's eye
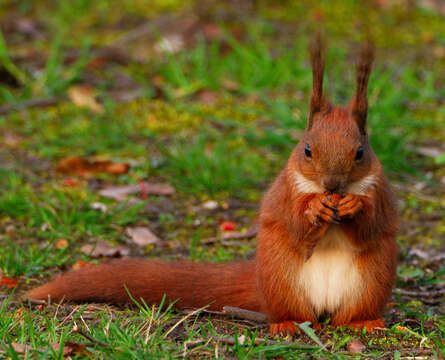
[359,154]
[307,151]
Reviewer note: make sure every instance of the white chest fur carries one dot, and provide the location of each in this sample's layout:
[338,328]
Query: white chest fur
[330,277]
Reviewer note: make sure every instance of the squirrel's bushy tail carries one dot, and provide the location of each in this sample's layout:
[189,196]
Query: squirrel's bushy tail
[190,284]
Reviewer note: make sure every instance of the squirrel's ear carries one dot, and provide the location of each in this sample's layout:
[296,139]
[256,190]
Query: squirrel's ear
[359,103]
[318,103]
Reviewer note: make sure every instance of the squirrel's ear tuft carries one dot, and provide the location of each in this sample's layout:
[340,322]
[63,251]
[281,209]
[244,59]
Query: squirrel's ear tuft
[359,103]
[318,103]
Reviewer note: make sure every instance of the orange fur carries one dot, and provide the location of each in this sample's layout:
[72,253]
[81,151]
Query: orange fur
[326,244]
[189,284]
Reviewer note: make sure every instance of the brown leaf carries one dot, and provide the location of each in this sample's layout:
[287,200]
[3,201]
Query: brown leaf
[102,248]
[12,140]
[83,167]
[211,31]
[83,96]
[210,205]
[230,85]
[99,206]
[72,164]
[171,44]
[117,168]
[18,313]
[79,264]
[68,349]
[120,192]
[207,97]
[8,282]
[430,151]
[70,182]
[61,243]
[355,346]
[142,236]
[20,348]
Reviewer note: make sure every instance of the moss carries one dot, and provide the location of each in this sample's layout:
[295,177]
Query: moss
[397,25]
[163,117]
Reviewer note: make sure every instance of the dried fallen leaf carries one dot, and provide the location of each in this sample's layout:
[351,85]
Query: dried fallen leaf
[210,205]
[21,348]
[70,182]
[420,253]
[72,164]
[120,193]
[83,96]
[68,349]
[116,168]
[207,97]
[99,206]
[402,328]
[12,140]
[79,264]
[229,84]
[84,167]
[142,236]
[355,346]
[430,151]
[61,243]
[170,44]
[77,348]
[143,189]
[8,282]
[428,324]
[18,313]
[102,248]
[227,226]
[439,52]
[211,31]
[241,339]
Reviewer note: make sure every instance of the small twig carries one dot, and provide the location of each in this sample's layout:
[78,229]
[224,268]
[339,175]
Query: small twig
[257,341]
[108,53]
[88,337]
[245,314]
[35,302]
[428,294]
[428,297]
[33,103]
[22,301]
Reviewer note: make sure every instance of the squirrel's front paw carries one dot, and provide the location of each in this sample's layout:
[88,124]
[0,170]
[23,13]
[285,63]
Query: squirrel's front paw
[321,209]
[349,206]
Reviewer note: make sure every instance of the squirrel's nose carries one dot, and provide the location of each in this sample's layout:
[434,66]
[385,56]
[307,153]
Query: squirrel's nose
[332,184]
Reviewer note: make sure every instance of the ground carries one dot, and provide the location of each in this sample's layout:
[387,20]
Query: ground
[206,99]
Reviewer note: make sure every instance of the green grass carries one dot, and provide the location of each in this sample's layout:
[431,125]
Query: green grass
[153,332]
[212,166]
[227,149]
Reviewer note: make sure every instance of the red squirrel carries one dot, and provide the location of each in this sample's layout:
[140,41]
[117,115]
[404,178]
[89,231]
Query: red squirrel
[326,240]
